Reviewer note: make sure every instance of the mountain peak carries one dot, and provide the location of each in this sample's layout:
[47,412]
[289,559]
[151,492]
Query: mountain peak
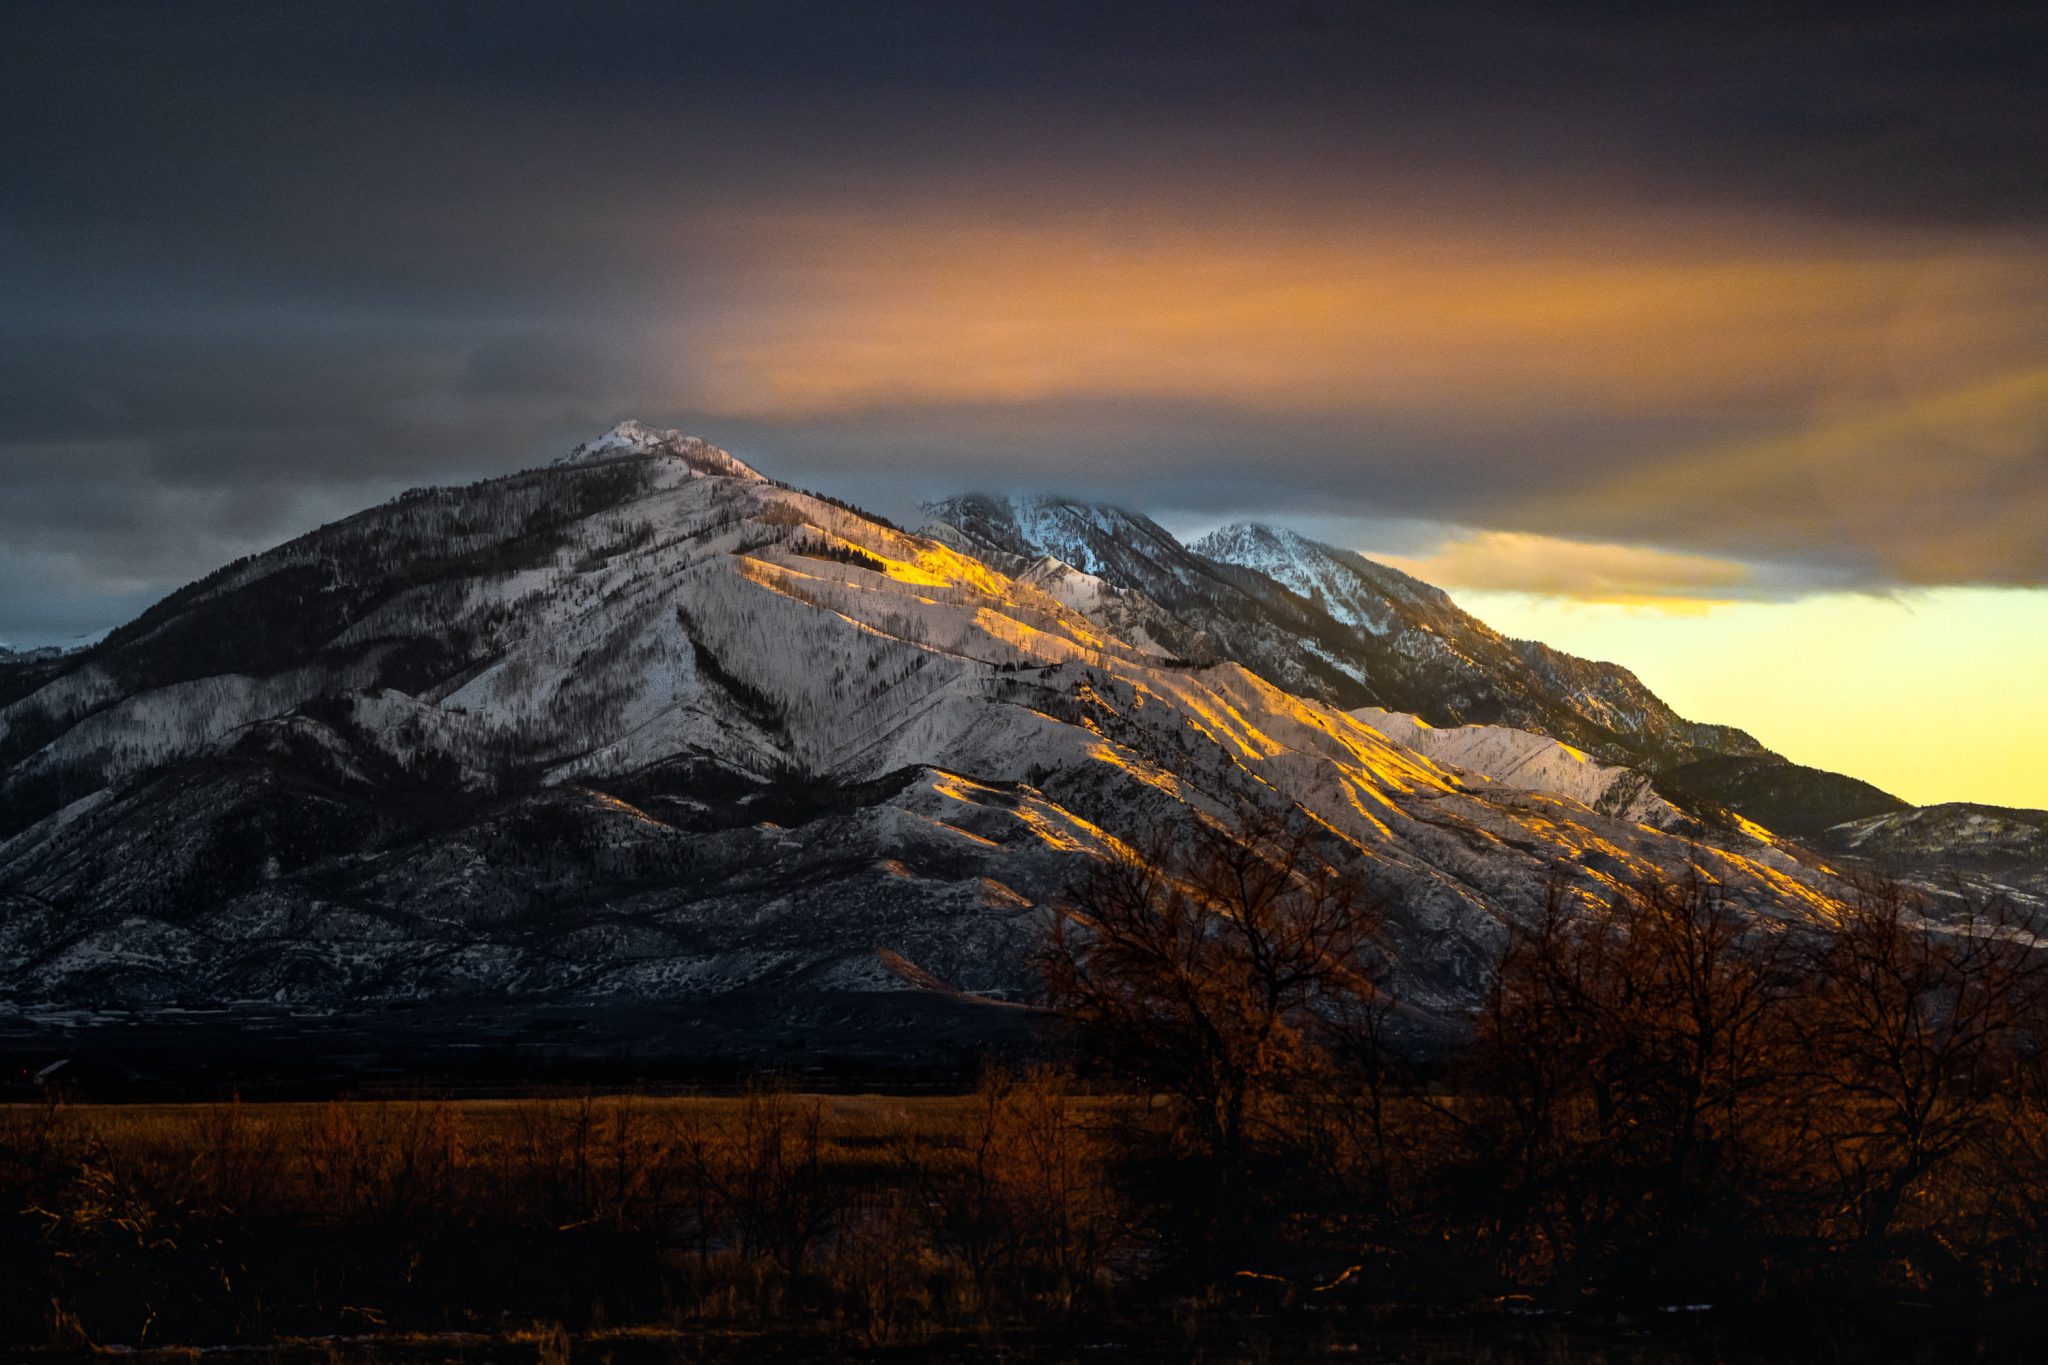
[1324,573]
[633,438]
[1250,543]
[1088,536]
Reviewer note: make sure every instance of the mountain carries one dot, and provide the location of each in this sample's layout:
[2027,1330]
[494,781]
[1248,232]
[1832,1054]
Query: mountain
[645,725]
[1956,829]
[1987,850]
[1787,797]
[1532,762]
[1221,611]
[1441,662]
[1331,624]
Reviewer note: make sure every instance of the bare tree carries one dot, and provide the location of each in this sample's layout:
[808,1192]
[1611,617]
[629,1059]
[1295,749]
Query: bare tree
[1216,974]
[1622,1058]
[1912,1035]
[2012,1183]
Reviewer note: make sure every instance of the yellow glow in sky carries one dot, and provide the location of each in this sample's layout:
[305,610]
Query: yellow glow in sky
[1934,695]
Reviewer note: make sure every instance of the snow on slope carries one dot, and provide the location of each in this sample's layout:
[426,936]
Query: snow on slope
[1330,624]
[1436,659]
[1128,614]
[1956,827]
[1988,852]
[630,438]
[1217,610]
[1349,586]
[1532,762]
[1131,551]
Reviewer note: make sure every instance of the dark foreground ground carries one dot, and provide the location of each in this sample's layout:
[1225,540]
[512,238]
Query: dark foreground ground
[1210,1334]
[762,1227]
[901,1041]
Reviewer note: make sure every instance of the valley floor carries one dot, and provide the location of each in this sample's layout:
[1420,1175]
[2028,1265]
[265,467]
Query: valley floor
[902,1041]
[762,1226]
[1198,1337]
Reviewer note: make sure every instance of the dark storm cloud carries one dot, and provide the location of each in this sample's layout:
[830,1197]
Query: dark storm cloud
[460,110]
[1196,467]
[259,263]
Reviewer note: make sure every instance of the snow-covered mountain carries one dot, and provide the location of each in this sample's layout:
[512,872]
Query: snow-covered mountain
[1220,611]
[1441,662]
[646,724]
[1348,586]
[630,439]
[1331,624]
[1958,828]
[1533,762]
[1989,849]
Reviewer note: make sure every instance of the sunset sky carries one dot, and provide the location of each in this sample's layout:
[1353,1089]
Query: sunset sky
[1710,340]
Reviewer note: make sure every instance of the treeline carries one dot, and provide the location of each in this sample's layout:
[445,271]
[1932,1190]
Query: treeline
[1664,1101]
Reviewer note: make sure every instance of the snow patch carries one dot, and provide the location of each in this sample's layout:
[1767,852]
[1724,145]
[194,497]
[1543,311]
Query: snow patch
[630,438]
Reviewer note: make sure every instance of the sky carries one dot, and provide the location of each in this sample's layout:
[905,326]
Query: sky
[1711,339]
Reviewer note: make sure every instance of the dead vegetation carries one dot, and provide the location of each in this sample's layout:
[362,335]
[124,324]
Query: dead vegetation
[1665,1102]
[880,1218]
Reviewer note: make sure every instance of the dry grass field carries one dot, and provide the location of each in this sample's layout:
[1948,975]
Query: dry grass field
[876,1217]
[1005,1224]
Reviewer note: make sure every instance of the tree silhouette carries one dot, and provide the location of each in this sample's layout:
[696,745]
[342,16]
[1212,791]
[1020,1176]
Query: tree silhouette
[1218,973]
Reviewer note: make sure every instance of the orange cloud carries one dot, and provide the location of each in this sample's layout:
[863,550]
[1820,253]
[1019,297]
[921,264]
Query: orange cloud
[850,313]
[1511,561]
[1946,486]
[1868,402]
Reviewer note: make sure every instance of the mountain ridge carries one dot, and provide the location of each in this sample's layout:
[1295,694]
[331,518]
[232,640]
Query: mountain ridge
[576,667]
[1333,624]
[653,726]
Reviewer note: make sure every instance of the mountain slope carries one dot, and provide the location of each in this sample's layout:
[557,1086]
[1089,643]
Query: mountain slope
[1331,624]
[1989,850]
[645,724]
[1533,762]
[1787,797]
[1442,663]
[1223,611]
